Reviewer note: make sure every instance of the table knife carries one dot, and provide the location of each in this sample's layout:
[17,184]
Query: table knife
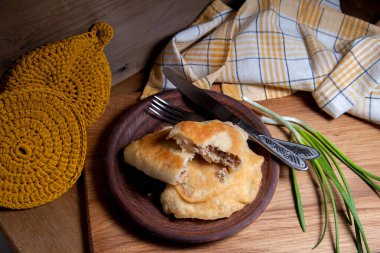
[280,149]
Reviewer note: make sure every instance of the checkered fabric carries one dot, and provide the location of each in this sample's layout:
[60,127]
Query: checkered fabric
[272,48]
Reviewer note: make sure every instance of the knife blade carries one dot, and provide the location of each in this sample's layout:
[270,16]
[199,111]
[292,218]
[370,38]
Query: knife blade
[219,111]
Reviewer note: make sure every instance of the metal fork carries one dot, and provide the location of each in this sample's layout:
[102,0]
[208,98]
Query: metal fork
[172,114]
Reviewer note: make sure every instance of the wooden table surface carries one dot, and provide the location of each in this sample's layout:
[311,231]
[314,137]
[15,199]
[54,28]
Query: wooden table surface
[277,230]
[61,226]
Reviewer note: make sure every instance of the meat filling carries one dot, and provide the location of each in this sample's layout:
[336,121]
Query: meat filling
[217,156]
[212,154]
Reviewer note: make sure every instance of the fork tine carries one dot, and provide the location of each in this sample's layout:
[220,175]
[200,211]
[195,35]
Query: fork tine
[161,101]
[166,108]
[158,115]
[167,116]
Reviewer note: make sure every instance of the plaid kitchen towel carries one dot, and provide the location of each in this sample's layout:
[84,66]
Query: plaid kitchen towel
[272,48]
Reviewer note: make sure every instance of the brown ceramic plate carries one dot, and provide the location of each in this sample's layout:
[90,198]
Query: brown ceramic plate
[139,195]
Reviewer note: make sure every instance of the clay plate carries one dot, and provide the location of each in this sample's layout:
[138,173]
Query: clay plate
[139,195]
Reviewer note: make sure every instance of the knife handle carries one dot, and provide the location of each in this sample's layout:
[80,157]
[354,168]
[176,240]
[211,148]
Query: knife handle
[281,152]
[303,151]
[284,154]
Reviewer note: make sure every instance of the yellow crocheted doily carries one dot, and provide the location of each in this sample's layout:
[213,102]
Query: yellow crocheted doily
[76,66]
[42,146]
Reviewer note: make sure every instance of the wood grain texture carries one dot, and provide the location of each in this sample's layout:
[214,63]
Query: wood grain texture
[59,226]
[139,195]
[277,229]
[141,28]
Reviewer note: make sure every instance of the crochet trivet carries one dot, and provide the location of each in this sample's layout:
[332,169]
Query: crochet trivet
[76,66]
[42,146]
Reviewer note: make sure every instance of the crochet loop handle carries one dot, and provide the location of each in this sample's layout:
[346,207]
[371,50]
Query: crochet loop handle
[104,32]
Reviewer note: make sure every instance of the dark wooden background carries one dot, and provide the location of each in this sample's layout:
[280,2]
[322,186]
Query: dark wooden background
[141,27]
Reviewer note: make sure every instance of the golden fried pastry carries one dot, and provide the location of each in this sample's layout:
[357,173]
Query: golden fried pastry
[240,189]
[215,141]
[159,157]
[202,181]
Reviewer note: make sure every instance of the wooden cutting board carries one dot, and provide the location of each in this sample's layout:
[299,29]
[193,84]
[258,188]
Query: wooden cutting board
[277,229]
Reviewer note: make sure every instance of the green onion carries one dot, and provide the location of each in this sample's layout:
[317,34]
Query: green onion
[325,168]
[298,200]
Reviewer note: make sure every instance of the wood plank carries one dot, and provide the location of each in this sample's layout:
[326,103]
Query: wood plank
[141,28]
[368,10]
[54,227]
[277,230]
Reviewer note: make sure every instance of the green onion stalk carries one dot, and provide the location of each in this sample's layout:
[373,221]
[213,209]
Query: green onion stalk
[328,173]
